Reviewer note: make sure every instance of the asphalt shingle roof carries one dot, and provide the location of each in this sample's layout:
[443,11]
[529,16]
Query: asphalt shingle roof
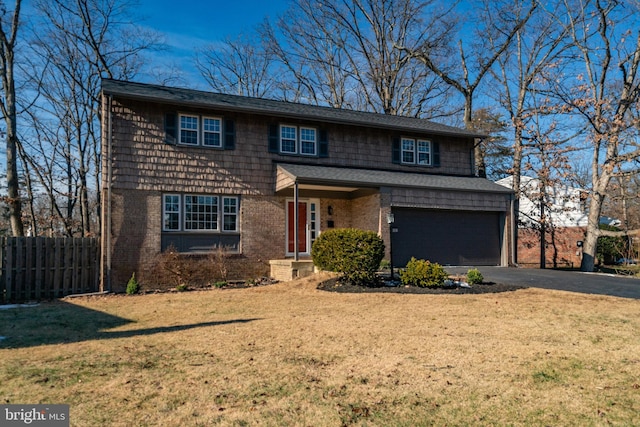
[189,97]
[328,175]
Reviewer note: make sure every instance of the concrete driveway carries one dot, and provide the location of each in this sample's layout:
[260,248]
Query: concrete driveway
[572,281]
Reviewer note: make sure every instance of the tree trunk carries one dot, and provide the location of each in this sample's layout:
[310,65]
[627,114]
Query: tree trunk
[13,192]
[589,248]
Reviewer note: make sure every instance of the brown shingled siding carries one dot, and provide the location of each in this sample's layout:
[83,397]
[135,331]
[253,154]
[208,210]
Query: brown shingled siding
[142,160]
[439,199]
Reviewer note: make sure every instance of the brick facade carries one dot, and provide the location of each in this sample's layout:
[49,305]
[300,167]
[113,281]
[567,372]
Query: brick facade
[561,249]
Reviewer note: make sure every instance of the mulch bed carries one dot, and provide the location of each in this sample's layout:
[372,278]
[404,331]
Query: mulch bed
[335,285]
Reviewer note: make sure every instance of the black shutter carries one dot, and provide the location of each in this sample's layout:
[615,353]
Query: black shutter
[229,135]
[323,144]
[274,138]
[171,128]
[395,153]
[436,154]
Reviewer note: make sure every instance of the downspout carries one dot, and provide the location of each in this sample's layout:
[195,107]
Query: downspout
[296,254]
[106,223]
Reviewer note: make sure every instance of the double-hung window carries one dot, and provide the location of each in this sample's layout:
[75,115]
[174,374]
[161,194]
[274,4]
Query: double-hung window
[197,130]
[171,212]
[230,214]
[211,132]
[298,140]
[200,213]
[416,151]
[288,139]
[189,129]
[424,152]
[308,141]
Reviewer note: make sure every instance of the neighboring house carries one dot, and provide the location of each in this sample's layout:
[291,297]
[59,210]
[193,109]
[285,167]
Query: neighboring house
[566,218]
[264,178]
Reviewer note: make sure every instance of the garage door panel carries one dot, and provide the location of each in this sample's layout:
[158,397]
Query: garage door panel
[446,237]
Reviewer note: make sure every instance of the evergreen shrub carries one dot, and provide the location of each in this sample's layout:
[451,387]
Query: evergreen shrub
[422,273]
[353,252]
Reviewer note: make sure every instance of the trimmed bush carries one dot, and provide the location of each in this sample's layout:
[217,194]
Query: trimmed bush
[354,253]
[474,276]
[423,274]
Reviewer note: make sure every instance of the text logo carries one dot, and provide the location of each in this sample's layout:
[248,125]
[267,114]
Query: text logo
[34,415]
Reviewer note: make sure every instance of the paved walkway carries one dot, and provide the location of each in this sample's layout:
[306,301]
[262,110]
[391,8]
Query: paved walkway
[572,281]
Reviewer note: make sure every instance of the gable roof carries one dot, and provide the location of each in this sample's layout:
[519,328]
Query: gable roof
[195,98]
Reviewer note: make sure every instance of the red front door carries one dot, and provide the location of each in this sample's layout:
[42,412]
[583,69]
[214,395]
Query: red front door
[302,227]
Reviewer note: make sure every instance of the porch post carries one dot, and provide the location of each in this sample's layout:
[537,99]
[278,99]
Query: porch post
[296,254]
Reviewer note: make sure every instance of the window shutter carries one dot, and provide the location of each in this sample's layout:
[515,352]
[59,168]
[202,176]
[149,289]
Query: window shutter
[274,138]
[436,154]
[395,153]
[323,144]
[171,128]
[229,135]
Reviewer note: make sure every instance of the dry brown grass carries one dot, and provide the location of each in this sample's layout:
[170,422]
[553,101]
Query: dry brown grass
[288,354]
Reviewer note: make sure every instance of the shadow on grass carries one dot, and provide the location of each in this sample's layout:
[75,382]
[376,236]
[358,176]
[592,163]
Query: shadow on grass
[61,322]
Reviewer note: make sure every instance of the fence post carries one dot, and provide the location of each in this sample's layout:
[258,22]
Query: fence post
[39,267]
[9,270]
[3,265]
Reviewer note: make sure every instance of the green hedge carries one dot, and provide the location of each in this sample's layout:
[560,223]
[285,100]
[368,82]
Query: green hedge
[354,253]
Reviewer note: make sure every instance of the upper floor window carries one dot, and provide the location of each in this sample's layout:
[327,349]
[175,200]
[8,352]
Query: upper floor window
[298,140]
[211,132]
[416,151]
[197,130]
[188,130]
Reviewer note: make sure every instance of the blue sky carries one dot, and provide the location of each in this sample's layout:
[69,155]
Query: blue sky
[190,24]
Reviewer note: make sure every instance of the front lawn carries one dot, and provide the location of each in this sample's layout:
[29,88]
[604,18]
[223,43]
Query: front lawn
[290,354]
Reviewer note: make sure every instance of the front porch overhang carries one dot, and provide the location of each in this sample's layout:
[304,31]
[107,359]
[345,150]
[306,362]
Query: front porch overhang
[350,181]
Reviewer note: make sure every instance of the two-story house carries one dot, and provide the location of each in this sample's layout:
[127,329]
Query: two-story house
[264,178]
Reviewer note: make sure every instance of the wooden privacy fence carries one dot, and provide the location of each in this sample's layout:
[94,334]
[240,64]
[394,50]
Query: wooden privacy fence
[37,268]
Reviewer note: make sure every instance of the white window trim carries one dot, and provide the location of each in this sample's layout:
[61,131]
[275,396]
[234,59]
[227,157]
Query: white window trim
[236,214]
[204,132]
[295,143]
[416,151]
[315,141]
[220,220]
[180,129]
[184,216]
[298,140]
[430,151]
[412,151]
[164,211]
[200,132]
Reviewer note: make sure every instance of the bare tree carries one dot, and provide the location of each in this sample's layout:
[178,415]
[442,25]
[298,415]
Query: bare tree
[346,54]
[77,44]
[530,61]
[8,104]
[238,66]
[604,94]
[475,57]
